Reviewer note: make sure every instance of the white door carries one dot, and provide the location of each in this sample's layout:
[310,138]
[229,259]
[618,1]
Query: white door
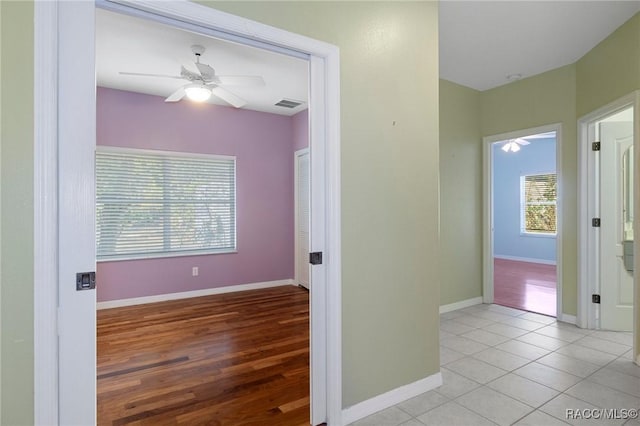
[76,214]
[616,283]
[302,217]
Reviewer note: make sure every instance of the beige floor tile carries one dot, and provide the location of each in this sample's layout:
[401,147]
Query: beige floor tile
[522,349]
[539,418]
[463,345]
[617,380]
[556,379]
[505,330]
[485,337]
[542,341]
[603,345]
[423,403]
[454,385]
[568,365]
[524,390]
[501,359]
[602,396]
[524,324]
[494,406]
[392,416]
[449,355]
[586,354]
[452,414]
[476,370]
[559,333]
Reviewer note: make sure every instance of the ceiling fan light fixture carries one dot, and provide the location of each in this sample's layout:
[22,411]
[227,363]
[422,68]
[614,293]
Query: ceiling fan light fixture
[511,145]
[197,92]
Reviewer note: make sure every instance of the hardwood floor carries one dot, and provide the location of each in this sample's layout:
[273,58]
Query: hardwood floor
[231,359]
[525,285]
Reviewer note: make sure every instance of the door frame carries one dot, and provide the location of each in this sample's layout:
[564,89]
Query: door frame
[324,84]
[487,222]
[588,282]
[296,171]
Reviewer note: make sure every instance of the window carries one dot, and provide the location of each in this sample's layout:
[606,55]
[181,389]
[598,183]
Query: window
[538,195]
[154,204]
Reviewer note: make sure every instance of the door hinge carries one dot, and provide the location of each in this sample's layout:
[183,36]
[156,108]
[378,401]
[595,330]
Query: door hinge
[595,298]
[315,258]
[595,146]
[595,222]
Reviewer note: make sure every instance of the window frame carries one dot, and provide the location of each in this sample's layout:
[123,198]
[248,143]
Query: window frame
[180,253]
[523,207]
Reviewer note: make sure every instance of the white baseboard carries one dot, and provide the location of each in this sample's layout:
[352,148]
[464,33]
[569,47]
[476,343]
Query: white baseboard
[461,304]
[525,259]
[388,399]
[188,294]
[570,319]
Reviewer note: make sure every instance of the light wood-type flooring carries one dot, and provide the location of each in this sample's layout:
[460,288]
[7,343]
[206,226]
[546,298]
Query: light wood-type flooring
[230,359]
[525,285]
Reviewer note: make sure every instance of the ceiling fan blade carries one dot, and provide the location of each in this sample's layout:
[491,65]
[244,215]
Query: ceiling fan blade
[150,75]
[522,142]
[176,96]
[206,71]
[240,80]
[228,97]
[188,74]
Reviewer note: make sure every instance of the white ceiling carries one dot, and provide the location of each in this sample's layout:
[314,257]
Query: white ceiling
[124,43]
[482,42]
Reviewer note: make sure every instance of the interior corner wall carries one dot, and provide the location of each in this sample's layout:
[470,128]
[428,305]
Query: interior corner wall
[262,144]
[610,70]
[460,193]
[389,181]
[300,130]
[540,100]
[16,226]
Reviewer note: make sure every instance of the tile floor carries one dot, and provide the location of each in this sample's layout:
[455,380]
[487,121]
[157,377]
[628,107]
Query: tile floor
[509,367]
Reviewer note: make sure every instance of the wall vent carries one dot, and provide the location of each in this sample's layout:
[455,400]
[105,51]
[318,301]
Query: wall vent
[288,103]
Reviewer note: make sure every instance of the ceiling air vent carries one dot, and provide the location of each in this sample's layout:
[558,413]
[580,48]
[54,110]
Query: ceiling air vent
[288,103]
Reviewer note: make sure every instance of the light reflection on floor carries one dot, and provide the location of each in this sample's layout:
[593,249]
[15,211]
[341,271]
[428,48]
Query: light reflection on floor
[525,285]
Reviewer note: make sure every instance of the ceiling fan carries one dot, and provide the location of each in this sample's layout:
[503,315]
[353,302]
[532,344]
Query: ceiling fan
[205,83]
[513,145]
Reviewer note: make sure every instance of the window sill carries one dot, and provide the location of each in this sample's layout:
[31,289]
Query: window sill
[537,235]
[165,255]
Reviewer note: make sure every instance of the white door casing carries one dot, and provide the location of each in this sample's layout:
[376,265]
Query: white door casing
[589,207]
[616,283]
[302,207]
[75,247]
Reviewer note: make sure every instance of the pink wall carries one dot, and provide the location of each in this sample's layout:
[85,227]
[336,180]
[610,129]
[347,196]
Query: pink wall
[263,145]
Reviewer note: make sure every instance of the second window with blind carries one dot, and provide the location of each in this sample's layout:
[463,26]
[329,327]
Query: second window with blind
[538,204]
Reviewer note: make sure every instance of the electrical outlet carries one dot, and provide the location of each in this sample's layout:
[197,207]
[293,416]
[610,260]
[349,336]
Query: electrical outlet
[194,271]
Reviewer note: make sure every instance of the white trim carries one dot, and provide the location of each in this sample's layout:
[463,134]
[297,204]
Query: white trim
[45,213]
[190,294]
[487,189]
[388,399]
[588,238]
[460,305]
[163,153]
[324,85]
[569,319]
[525,259]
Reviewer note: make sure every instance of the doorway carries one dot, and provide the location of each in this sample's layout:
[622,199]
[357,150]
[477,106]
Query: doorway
[522,220]
[71,25]
[607,224]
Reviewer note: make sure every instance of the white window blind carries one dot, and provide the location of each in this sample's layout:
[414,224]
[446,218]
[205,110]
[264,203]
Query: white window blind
[153,204]
[538,195]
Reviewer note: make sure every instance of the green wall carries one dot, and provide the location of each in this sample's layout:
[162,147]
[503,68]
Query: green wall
[547,98]
[610,70]
[460,193]
[389,134]
[16,225]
